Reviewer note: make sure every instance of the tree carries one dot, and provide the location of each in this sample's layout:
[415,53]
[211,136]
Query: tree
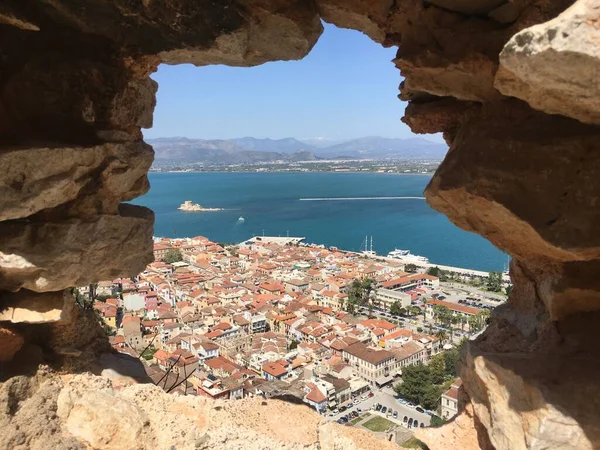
[437,368]
[508,289]
[172,256]
[431,397]
[434,271]
[293,344]
[494,281]
[442,315]
[442,336]
[451,358]
[476,323]
[410,268]
[396,309]
[437,421]
[415,380]
[370,308]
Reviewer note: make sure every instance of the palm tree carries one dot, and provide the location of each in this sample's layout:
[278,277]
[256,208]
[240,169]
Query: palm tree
[442,336]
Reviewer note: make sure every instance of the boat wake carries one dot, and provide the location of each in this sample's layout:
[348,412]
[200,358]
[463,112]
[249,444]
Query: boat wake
[333,199]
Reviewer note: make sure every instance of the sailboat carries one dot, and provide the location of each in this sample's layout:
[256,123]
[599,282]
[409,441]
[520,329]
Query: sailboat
[364,248]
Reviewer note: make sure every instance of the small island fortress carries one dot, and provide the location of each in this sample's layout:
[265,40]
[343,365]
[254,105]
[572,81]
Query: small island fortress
[196,207]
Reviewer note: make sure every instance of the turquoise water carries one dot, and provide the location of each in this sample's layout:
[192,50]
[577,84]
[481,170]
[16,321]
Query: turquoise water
[269,203]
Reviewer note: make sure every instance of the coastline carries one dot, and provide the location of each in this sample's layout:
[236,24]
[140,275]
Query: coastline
[355,172]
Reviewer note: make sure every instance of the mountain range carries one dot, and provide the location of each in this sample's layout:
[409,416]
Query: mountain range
[180,150]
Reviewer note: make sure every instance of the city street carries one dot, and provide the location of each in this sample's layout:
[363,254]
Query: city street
[386,398]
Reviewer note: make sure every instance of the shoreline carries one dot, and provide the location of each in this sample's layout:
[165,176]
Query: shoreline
[294,172]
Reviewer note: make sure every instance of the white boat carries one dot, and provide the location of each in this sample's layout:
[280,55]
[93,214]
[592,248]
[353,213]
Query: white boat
[241,219]
[364,248]
[406,255]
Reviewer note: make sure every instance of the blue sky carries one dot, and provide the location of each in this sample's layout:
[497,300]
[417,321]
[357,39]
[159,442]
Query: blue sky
[345,88]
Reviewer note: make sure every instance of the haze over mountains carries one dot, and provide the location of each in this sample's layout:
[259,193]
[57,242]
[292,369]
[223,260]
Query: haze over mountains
[247,150]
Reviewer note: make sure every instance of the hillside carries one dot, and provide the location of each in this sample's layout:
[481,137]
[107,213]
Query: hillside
[248,150]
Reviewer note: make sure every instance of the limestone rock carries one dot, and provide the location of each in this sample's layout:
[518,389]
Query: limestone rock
[267,37]
[88,411]
[460,433]
[438,115]
[11,342]
[34,179]
[367,17]
[495,172]
[554,66]
[53,256]
[101,419]
[30,307]
[528,400]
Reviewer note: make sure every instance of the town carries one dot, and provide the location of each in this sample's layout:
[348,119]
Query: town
[367,342]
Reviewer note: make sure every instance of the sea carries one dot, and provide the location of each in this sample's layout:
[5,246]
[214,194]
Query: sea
[334,209]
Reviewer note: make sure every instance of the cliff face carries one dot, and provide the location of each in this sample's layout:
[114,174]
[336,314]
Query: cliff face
[85,411]
[513,85]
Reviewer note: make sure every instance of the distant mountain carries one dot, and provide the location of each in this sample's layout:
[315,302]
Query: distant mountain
[322,142]
[378,147]
[180,150]
[287,145]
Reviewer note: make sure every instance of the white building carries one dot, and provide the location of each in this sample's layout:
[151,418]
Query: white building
[134,302]
[449,400]
[389,296]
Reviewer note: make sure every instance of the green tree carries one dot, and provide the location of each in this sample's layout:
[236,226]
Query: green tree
[172,256]
[437,368]
[494,281]
[508,289]
[396,309]
[434,271]
[410,268]
[442,335]
[431,397]
[451,358]
[437,421]
[415,380]
[442,315]
[293,344]
[370,308]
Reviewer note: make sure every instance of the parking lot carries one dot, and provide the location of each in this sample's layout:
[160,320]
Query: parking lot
[455,292]
[385,398]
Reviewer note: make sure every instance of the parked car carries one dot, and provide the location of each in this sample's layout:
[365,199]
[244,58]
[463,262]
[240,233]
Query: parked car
[384,409]
[378,407]
[421,425]
[395,415]
[340,421]
[335,411]
[405,419]
[416,423]
[371,394]
[419,409]
[359,410]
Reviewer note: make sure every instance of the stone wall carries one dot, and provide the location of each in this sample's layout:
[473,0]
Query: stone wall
[513,85]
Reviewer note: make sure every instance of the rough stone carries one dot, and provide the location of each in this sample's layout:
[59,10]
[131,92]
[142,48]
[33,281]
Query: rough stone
[528,400]
[87,411]
[367,17]
[44,177]
[460,433]
[554,66]
[30,307]
[438,115]
[11,342]
[487,186]
[42,256]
